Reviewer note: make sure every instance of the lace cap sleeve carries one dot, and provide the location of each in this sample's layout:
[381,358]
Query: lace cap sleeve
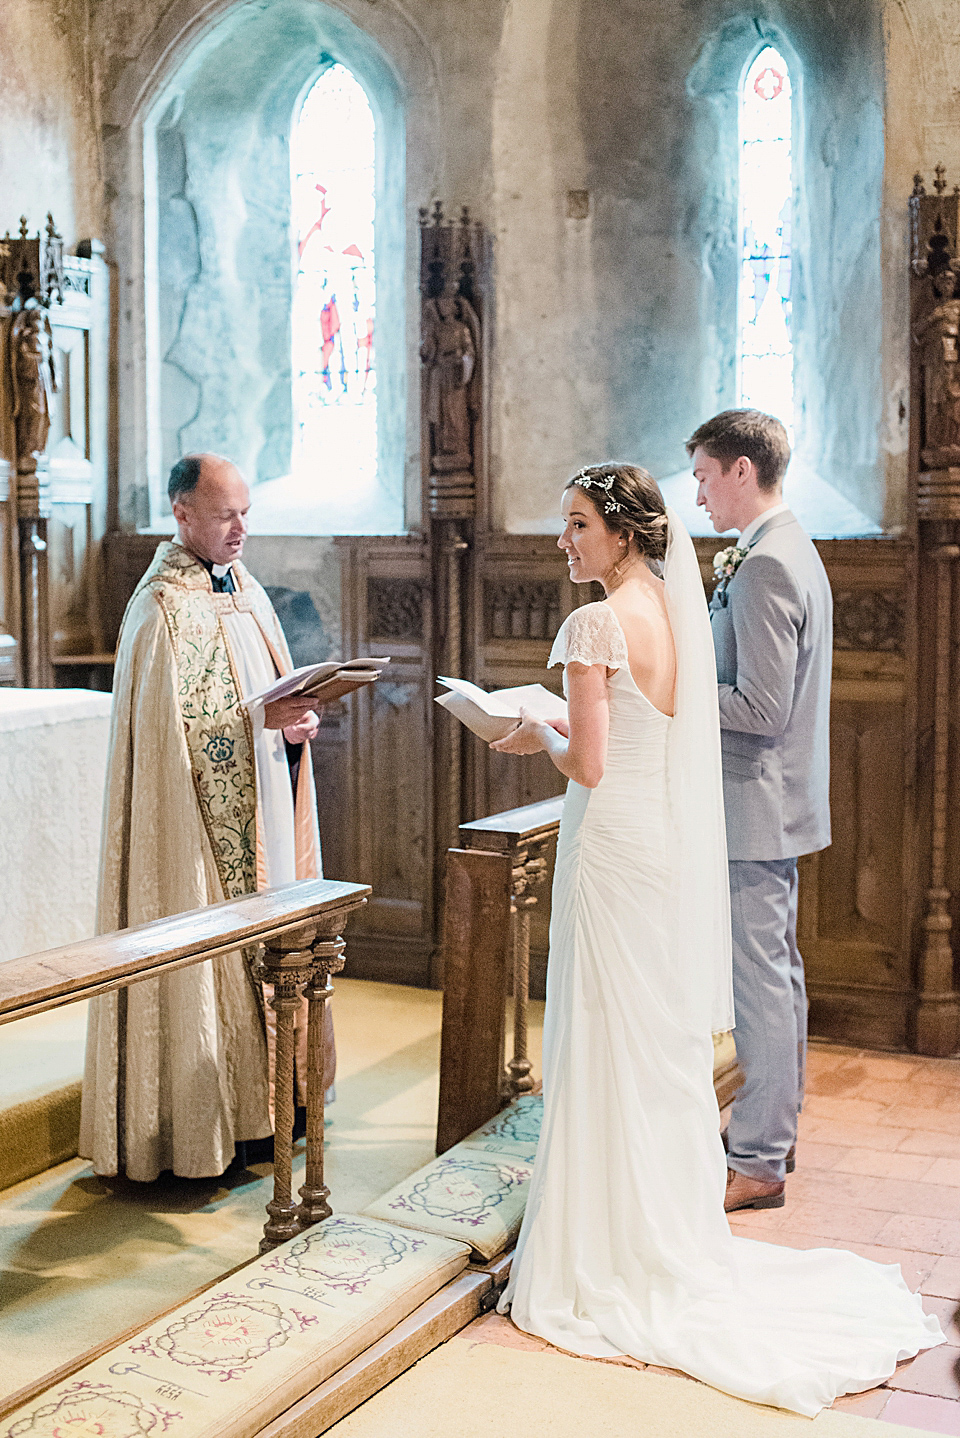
[590,635]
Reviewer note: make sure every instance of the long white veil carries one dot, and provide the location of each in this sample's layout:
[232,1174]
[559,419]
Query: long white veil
[695,795]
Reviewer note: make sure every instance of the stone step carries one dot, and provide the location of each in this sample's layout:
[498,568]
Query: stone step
[41,1065]
[38,1133]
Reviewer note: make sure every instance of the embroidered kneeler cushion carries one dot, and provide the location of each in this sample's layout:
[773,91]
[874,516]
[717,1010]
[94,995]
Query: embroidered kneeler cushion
[226,1363]
[514,1131]
[467,1193]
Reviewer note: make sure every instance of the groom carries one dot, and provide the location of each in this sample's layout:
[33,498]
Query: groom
[771,615]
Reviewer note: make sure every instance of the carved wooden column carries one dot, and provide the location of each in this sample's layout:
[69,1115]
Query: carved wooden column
[453,279]
[33,511]
[451,554]
[936,1020]
[327,953]
[302,959]
[529,872]
[935,456]
[287,964]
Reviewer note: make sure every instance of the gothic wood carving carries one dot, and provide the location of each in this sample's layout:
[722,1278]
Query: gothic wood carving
[454,285]
[395,609]
[53,397]
[32,274]
[872,619]
[453,278]
[523,609]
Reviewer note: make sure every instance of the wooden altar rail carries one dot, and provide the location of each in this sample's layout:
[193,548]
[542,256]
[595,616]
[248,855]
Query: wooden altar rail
[492,884]
[299,926]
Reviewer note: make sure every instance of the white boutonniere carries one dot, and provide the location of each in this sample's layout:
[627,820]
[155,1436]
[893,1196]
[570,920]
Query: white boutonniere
[727,561]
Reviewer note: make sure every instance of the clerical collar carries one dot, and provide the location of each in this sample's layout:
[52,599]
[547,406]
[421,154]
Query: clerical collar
[221,575]
[217,570]
[749,533]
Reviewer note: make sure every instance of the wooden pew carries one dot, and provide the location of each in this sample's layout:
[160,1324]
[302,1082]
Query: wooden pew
[492,883]
[299,926]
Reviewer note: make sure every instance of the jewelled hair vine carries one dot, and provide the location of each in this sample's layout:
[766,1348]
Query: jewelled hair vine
[598,481]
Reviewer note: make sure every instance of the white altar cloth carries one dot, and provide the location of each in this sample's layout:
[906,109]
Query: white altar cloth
[53,754]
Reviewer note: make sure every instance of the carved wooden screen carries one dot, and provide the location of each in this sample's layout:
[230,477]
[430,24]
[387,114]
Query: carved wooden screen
[854,924]
[373,762]
[78,468]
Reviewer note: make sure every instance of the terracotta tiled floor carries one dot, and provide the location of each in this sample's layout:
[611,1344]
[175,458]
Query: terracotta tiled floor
[878,1171]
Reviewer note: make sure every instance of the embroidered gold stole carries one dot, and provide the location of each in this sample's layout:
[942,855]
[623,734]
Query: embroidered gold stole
[218,729]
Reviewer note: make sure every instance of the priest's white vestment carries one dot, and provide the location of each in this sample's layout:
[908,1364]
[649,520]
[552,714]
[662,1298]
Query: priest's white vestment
[199,807]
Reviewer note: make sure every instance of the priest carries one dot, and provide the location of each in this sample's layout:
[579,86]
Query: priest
[205,800]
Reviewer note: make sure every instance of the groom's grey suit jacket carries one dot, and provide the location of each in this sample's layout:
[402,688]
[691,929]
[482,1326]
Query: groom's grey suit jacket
[773,635]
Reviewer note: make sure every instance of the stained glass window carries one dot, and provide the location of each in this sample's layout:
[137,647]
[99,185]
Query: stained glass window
[765,351]
[332,151]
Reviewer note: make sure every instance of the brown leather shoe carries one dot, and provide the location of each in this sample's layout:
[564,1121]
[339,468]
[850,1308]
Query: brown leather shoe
[791,1155]
[744,1192]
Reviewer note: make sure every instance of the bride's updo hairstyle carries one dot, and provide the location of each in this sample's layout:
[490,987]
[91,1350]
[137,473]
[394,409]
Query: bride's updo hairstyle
[629,502]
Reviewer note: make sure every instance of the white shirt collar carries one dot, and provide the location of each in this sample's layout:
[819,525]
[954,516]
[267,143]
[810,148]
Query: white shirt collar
[751,529]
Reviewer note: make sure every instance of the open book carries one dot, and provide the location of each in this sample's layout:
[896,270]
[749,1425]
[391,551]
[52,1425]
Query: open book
[323,682]
[492,716]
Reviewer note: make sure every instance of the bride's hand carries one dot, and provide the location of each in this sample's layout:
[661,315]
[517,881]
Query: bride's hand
[561,726]
[527,738]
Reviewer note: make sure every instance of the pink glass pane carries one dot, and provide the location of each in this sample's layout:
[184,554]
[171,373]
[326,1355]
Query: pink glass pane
[332,151]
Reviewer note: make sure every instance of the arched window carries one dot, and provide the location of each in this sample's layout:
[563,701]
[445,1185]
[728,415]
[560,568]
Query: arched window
[765,349]
[333,177]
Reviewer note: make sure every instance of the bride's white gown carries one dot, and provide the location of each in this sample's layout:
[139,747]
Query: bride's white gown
[625,1248]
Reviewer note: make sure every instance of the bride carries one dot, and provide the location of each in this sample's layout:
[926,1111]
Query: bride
[625,1248]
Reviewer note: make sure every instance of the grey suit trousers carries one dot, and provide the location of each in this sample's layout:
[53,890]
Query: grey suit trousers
[771,1007]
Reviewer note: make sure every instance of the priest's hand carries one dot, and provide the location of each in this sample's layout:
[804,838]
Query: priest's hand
[288,713]
[304,730]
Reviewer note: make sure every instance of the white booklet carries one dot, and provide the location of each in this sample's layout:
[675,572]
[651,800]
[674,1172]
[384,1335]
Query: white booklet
[492,716]
[323,682]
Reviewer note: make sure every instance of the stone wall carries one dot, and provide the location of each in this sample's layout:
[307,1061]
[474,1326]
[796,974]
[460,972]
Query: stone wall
[596,139]
[621,333]
[49,141]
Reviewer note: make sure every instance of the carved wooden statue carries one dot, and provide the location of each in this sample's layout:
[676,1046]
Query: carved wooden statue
[449,352]
[454,290]
[34,383]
